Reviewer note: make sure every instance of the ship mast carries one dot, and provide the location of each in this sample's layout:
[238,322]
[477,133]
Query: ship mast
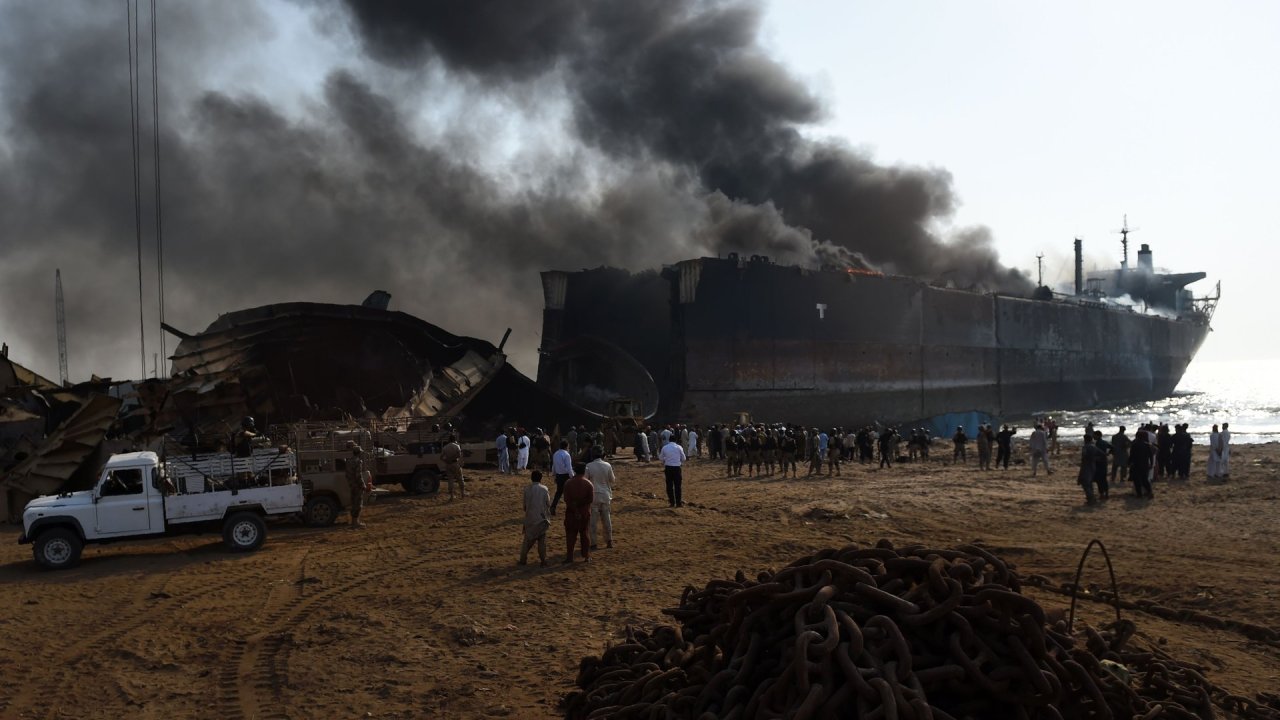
[1040,270]
[1124,242]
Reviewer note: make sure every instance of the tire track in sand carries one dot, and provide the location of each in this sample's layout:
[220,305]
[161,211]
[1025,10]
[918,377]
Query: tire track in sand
[255,672]
[37,697]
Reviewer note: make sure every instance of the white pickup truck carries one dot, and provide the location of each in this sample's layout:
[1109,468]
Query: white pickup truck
[138,496]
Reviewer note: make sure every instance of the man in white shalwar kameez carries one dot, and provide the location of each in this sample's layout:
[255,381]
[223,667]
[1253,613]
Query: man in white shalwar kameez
[1213,467]
[1224,454]
[504,460]
[691,444]
[537,518]
[642,446]
[602,478]
[522,456]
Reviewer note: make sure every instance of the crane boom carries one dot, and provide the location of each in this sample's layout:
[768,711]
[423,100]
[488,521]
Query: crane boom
[61,311]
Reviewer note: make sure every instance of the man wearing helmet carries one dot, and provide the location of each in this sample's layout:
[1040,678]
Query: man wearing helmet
[245,438]
[451,455]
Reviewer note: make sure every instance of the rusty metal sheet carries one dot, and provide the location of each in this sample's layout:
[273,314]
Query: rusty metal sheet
[65,449]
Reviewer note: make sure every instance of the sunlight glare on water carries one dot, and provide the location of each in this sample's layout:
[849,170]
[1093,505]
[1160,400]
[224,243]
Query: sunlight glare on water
[1245,394]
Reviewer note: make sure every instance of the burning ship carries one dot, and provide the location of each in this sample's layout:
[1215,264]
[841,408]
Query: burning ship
[718,336]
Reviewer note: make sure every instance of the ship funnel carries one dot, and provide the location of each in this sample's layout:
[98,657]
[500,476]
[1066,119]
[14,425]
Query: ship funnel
[1080,265]
[1144,258]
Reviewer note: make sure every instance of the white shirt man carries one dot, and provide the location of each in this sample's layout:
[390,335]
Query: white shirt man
[672,456]
[562,463]
[600,473]
[1039,450]
[562,468]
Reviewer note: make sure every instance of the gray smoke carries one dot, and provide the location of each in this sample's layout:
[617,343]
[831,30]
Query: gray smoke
[685,81]
[686,144]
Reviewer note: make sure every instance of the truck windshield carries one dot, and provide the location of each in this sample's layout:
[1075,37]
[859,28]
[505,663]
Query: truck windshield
[123,482]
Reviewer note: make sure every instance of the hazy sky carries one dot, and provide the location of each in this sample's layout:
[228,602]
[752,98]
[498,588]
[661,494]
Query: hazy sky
[1052,122]
[1057,119]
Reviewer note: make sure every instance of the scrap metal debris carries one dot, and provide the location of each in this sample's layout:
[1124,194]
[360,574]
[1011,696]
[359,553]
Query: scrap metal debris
[280,364]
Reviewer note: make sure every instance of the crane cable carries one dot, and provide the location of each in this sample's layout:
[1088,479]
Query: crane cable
[134,93]
[155,129]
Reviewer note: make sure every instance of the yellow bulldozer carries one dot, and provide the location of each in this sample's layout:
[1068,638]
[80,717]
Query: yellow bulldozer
[623,418]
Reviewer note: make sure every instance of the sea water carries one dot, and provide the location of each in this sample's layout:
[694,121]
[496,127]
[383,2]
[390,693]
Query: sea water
[1245,394]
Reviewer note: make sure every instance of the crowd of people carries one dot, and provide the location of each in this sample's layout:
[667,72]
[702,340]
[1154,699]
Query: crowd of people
[578,462]
[1153,453]
[586,481]
[769,449]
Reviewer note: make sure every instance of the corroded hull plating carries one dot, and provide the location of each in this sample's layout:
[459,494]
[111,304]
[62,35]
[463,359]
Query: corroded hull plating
[833,348]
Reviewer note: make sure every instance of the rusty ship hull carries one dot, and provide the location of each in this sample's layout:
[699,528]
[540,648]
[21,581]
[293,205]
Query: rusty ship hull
[721,336]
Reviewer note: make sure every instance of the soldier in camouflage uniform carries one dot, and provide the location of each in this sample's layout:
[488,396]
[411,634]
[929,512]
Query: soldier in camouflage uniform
[355,483]
[451,456]
[835,450]
[540,457]
[770,450]
[755,453]
[790,446]
[737,452]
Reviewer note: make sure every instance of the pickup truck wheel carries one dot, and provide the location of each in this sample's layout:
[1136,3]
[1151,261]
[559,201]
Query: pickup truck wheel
[425,481]
[57,549]
[320,511]
[244,532]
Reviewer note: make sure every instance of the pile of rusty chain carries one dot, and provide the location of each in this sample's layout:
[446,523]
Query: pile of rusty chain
[915,633]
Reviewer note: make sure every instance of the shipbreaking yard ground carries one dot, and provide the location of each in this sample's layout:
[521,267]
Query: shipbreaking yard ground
[425,612]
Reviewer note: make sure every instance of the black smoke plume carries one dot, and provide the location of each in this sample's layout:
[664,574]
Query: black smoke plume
[680,138]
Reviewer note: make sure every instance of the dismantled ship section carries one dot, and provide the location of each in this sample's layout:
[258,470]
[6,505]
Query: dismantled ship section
[720,336]
[312,361]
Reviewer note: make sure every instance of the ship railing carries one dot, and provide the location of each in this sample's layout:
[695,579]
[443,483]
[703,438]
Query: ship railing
[1206,306]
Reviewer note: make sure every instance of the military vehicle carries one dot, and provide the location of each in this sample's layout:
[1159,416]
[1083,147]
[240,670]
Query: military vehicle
[404,453]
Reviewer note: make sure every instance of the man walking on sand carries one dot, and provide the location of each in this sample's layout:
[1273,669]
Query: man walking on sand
[673,456]
[1088,467]
[1224,454]
[961,440]
[537,518]
[1100,472]
[1120,444]
[579,494]
[562,468]
[504,464]
[522,450]
[984,448]
[1039,445]
[1214,466]
[600,473]
[355,484]
[1140,456]
[641,444]
[1004,446]
[451,456]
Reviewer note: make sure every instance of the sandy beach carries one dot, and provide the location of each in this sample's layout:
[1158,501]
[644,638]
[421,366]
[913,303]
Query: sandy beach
[426,614]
